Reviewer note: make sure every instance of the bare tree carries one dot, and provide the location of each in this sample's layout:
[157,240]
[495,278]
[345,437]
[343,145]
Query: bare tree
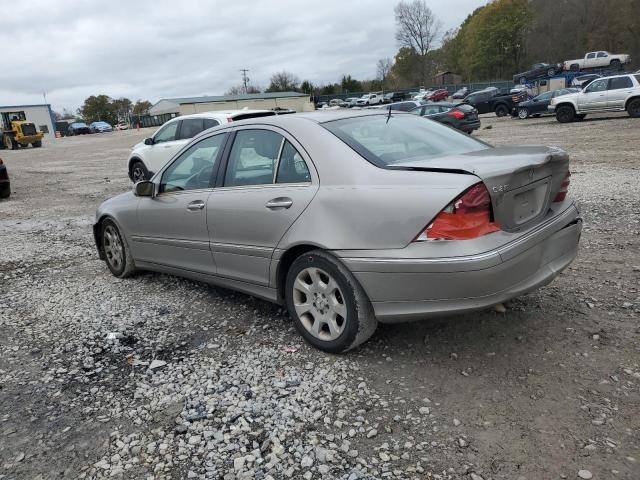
[283,82]
[418,27]
[384,67]
[240,89]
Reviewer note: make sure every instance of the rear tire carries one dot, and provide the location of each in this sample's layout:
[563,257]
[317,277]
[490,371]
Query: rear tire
[5,190]
[37,144]
[574,67]
[116,252]
[139,172]
[616,64]
[565,114]
[328,306]
[10,142]
[633,108]
[551,72]
[502,111]
[523,113]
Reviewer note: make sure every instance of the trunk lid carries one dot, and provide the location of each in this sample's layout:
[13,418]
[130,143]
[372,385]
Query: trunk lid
[522,181]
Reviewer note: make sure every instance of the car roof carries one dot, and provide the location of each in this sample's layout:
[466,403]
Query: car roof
[318,117]
[215,114]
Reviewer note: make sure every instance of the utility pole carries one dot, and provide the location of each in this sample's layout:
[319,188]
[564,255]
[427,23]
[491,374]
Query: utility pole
[245,79]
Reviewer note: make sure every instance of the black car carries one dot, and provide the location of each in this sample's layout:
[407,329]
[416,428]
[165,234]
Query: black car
[538,70]
[78,128]
[537,106]
[5,184]
[491,100]
[404,106]
[457,115]
[392,97]
[460,94]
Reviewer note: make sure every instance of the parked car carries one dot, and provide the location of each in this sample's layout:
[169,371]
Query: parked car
[320,105]
[122,126]
[336,102]
[369,99]
[5,184]
[100,127]
[460,116]
[393,97]
[438,95]
[405,106]
[609,94]
[78,128]
[538,70]
[463,92]
[538,105]
[351,101]
[490,100]
[601,59]
[584,80]
[519,89]
[149,156]
[422,95]
[442,223]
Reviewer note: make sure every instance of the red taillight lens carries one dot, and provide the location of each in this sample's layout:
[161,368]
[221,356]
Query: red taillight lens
[467,217]
[564,189]
[456,114]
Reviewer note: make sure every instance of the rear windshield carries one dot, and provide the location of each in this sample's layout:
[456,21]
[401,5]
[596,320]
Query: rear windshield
[385,140]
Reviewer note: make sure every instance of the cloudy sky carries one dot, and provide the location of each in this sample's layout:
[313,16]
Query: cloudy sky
[160,49]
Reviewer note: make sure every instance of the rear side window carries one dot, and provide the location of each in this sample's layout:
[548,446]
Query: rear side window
[386,141]
[253,158]
[617,83]
[292,168]
[210,123]
[637,78]
[166,133]
[190,128]
[591,55]
[601,54]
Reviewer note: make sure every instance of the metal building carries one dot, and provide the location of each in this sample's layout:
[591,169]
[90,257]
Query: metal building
[262,101]
[40,115]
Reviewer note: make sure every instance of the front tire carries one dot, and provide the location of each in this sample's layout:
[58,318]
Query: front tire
[328,306]
[565,114]
[616,64]
[37,144]
[116,252]
[633,108]
[139,172]
[523,113]
[502,111]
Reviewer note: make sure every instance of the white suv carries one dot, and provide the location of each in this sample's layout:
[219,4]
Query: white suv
[149,156]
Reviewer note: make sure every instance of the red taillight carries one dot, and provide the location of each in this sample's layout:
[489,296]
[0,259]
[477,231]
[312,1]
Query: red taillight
[564,189]
[456,114]
[468,216]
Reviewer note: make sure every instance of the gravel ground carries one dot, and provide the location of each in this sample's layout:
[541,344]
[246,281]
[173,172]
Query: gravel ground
[160,377]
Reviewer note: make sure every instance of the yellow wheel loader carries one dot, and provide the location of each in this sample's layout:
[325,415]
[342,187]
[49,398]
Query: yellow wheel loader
[18,132]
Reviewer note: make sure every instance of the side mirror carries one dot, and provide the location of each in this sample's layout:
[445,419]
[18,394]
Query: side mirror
[148,141]
[144,188]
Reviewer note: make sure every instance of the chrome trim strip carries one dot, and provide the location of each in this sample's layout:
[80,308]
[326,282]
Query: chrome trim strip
[172,242]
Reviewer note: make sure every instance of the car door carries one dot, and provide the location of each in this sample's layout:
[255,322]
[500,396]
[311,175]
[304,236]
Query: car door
[590,60]
[594,96]
[165,144]
[619,90]
[172,225]
[267,183]
[602,59]
[541,102]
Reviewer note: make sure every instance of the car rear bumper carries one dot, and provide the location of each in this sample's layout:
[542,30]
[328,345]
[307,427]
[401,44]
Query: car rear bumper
[405,289]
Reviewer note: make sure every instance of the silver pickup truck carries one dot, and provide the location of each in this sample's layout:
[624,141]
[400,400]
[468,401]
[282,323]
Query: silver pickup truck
[608,94]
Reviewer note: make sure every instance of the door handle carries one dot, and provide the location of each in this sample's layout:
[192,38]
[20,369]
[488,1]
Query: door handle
[195,206]
[278,203]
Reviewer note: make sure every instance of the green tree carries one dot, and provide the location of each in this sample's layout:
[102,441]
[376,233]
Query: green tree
[348,84]
[98,107]
[307,87]
[141,107]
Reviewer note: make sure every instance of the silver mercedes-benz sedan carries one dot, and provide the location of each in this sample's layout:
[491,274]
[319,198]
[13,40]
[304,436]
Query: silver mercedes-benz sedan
[350,218]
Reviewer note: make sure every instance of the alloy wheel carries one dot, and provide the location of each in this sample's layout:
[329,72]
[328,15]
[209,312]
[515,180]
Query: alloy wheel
[113,247]
[138,174]
[523,113]
[319,303]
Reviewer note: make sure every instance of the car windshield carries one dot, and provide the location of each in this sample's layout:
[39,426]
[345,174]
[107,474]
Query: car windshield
[385,140]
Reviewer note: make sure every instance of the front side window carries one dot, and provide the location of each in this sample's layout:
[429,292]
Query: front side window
[545,96]
[617,83]
[291,167]
[190,128]
[386,141]
[193,169]
[597,86]
[591,55]
[166,133]
[253,158]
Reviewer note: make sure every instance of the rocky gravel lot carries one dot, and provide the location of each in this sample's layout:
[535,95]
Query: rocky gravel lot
[160,377]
